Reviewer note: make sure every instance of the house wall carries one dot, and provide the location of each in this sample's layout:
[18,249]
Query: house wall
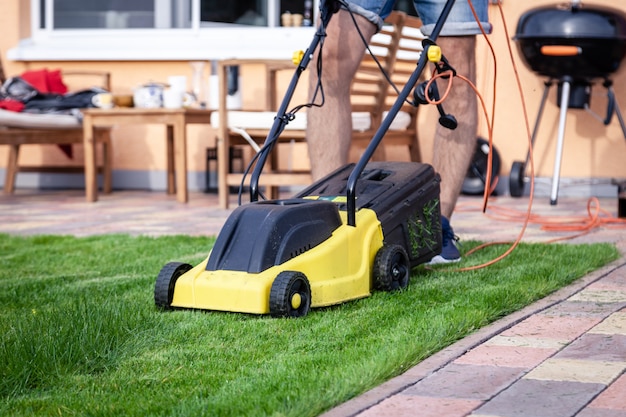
[591,149]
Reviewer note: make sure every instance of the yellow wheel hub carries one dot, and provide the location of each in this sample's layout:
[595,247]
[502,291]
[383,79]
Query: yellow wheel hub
[296,301]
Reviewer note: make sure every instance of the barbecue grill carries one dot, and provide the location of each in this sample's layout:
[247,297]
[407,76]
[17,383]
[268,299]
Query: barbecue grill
[574,46]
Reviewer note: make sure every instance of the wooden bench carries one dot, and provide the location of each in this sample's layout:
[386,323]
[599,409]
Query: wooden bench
[17,129]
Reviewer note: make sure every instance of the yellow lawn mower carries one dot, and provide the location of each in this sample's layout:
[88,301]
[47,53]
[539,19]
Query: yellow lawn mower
[282,257]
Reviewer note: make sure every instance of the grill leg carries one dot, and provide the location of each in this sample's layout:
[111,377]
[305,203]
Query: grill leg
[618,111]
[559,145]
[542,105]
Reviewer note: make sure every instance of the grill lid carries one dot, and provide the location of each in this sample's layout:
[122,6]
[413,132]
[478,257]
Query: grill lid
[572,21]
[571,40]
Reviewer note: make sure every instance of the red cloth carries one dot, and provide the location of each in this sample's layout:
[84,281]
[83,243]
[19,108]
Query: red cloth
[12,105]
[46,81]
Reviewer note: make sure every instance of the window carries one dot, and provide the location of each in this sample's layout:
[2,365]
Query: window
[136,30]
[246,12]
[107,14]
[165,14]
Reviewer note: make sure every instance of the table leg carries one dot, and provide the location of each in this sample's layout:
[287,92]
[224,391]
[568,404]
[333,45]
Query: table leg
[103,136]
[91,183]
[171,185]
[11,170]
[222,172]
[223,143]
[180,159]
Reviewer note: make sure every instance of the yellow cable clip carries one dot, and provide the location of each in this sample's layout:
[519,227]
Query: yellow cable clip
[434,53]
[297,56]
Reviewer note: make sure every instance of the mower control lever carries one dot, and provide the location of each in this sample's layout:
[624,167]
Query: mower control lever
[446,120]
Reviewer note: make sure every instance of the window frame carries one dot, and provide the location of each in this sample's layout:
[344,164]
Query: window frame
[194,43]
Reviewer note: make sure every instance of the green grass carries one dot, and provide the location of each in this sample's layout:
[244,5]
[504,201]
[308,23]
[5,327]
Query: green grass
[81,335]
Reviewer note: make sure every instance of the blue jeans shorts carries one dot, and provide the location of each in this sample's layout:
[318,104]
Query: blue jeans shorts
[460,22]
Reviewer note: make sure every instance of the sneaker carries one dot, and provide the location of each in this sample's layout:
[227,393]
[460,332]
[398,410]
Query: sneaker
[449,250]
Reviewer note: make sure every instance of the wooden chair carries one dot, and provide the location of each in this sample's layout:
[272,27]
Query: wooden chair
[17,129]
[371,96]
[403,130]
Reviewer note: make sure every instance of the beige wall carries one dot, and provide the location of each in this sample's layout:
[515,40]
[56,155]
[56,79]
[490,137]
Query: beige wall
[591,149]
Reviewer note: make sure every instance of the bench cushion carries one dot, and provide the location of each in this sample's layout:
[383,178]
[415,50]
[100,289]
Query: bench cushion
[38,121]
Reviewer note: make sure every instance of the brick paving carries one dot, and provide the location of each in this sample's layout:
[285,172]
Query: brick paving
[562,356]
[567,358]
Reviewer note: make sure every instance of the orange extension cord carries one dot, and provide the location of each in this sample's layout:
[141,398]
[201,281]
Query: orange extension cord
[596,216]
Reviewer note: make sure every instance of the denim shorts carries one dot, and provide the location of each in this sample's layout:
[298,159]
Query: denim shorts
[461,20]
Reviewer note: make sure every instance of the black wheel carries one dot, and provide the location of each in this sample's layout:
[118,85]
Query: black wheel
[476,177]
[391,268]
[290,295]
[516,179]
[165,282]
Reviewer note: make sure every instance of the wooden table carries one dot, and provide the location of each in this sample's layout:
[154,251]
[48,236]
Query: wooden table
[176,121]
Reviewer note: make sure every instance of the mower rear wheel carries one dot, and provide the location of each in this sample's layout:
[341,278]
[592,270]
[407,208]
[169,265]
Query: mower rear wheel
[391,268]
[166,281]
[290,295]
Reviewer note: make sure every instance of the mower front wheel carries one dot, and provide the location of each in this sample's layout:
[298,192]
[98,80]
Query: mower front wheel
[166,281]
[290,295]
[391,268]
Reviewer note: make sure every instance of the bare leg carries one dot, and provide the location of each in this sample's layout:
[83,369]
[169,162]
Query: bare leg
[453,149]
[329,128]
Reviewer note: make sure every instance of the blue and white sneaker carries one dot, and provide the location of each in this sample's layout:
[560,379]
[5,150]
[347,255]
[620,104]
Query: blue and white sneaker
[449,250]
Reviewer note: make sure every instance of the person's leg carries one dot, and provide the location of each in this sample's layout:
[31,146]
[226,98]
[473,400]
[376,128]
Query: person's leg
[453,149]
[329,127]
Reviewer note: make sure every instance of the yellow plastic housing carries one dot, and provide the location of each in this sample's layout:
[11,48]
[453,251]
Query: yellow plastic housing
[297,56]
[338,270]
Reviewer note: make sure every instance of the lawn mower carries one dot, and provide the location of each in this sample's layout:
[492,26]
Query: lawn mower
[325,245]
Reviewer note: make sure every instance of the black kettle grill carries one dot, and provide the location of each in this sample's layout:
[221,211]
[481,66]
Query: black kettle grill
[573,46]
